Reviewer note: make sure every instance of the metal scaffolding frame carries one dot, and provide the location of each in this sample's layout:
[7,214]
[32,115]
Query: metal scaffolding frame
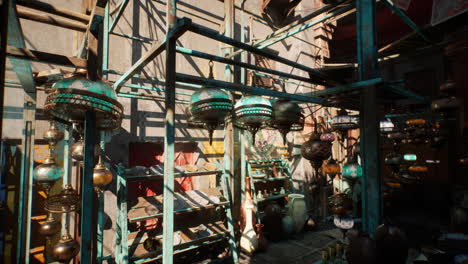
[101,21]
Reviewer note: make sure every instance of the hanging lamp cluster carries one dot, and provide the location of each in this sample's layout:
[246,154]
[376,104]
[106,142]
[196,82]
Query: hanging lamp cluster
[211,107]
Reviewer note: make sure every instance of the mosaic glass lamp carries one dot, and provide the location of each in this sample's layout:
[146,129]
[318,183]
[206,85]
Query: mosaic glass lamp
[331,168]
[287,116]
[71,98]
[210,106]
[386,126]
[344,122]
[410,157]
[351,169]
[253,113]
[47,173]
[315,150]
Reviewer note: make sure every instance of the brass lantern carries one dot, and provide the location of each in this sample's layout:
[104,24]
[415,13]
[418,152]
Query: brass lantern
[210,106]
[253,113]
[71,98]
[53,135]
[101,175]
[50,227]
[66,249]
[287,116]
[47,173]
[68,200]
[315,150]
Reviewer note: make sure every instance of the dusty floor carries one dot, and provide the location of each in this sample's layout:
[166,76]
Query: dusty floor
[303,248]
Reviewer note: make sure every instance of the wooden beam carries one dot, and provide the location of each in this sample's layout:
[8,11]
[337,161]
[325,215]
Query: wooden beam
[52,9]
[157,49]
[40,56]
[47,19]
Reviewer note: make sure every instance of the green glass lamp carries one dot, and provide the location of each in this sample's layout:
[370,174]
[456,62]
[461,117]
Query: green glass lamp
[351,169]
[410,157]
[71,98]
[253,113]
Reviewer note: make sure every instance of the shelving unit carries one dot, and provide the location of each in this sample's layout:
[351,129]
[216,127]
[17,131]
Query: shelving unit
[129,245]
[285,180]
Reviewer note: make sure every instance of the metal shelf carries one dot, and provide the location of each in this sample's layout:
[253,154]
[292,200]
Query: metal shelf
[271,179]
[274,197]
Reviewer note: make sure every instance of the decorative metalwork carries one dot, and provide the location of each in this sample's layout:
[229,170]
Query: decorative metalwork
[101,175]
[253,113]
[210,106]
[344,122]
[48,172]
[315,150]
[50,227]
[53,135]
[76,150]
[66,249]
[287,116]
[68,200]
[71,98]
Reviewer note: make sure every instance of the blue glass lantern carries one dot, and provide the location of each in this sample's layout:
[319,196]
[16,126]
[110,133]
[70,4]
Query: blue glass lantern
[410,157]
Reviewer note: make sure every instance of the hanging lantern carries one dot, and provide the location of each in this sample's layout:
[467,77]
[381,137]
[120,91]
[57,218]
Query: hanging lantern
[76,151]
[66,249]
[287,116]
[344,122]
[50,227]
[394,160]
[351,169]
[47,173]
[210,106]
[253,113]
[416,131]
[386,126]
[315,150]
[101,175]
[409,178]
[340,204]
[331,168]
[71,98]
[68,200]
[327,136]
[53,135]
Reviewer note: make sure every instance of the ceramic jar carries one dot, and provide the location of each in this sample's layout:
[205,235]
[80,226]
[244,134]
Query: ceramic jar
[249,240]
[288,226]
[297,209]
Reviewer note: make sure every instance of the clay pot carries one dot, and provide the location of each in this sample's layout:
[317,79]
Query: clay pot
[362,250]
[392,245]
[262,241]
[288,226]
[272,221]
[297,209]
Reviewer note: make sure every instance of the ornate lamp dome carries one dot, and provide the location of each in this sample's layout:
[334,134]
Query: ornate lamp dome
[66,249]
[253,113]
[287,116]
[53,135]
[344,122]
[210,106]
[71,98]
[101,175]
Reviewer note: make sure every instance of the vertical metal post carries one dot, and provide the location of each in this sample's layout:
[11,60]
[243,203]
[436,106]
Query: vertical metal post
[26,181]
[169,140]
[87,190]
[67,169]
[367,60]
[121,243]
[105,42]
[3,45]
[229,143]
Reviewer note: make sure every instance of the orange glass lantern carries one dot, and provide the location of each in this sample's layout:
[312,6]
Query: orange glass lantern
[331,168]
[418,168]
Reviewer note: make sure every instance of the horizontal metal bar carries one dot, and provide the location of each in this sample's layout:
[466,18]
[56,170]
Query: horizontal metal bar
[178,212]
[317,76]
[345,88]
[207,56]
[407,94]
[146,40]
[282,80]
[405,19]
[176,175]
[52,9]
[40,56]
[147,97]
[47,19]
[185,78]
